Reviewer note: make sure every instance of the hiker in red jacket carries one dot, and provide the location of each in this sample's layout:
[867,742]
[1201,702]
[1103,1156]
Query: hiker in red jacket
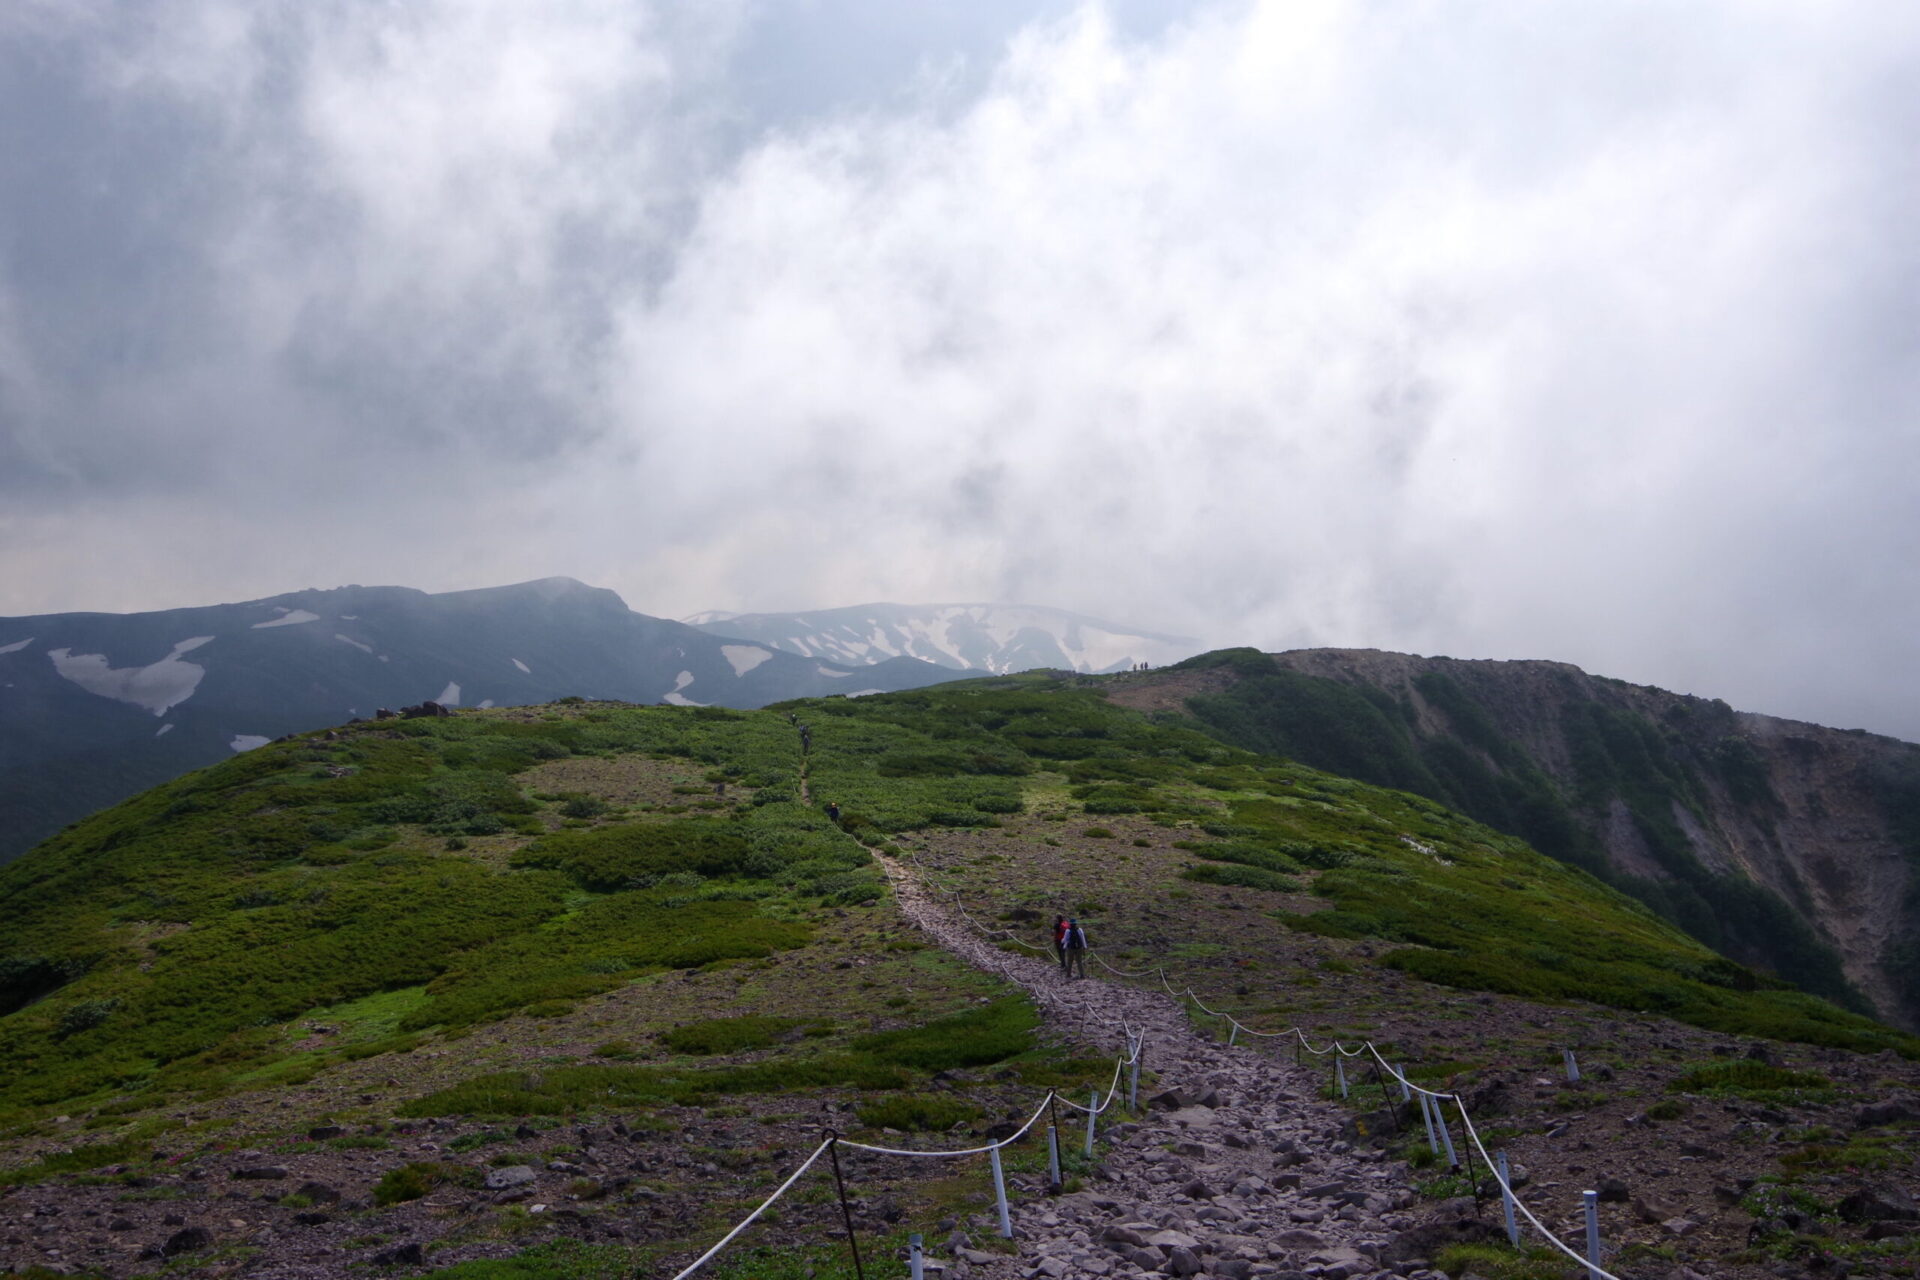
[1060,941]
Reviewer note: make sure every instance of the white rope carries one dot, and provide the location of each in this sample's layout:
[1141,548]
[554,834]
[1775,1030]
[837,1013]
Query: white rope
[747,1221]
[968,1151]
[1556,1241]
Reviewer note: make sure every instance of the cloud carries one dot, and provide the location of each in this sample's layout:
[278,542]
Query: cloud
[1453,330]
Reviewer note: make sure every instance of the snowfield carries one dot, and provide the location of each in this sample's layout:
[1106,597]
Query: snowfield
[744,657]
[158,687]
[289,618]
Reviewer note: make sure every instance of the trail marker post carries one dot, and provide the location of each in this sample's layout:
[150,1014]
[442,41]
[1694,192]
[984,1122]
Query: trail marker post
[1446,1134]
[1340,1074]
[1233,1033]
[1506,1202]
[915,1270]
[1573,1067]
[1000,1192]
[1592,1199]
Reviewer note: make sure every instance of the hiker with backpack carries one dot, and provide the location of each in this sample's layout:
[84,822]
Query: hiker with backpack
[1073,954]
[1060,942]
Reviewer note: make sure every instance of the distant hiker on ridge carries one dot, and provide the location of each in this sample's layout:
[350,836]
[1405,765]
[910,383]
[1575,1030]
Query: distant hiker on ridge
[1074,956]
[833,811]
[1060,941]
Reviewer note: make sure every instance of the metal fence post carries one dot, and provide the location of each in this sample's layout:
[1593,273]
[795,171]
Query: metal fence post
[1053,1157]
[1446,1134]
[1133,1074]
[846,1211]
[1093,1109]
[1000,1192]
[1400,1074]
[1340,1073]
[1234,1033]
[1506,1202]
[914,1269]
[1426,1114]
[1593,1233]
[1573,1067]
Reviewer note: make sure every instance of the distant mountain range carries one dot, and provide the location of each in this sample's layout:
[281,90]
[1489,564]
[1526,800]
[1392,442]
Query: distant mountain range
[95,707]
[997,638]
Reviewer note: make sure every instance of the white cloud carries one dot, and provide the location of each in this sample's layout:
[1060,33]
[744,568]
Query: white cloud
[1445,328]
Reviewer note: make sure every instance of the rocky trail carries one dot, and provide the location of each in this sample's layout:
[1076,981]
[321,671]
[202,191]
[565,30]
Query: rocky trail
[1238,1169]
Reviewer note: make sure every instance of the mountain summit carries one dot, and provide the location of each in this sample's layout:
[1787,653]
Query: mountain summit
[997,638]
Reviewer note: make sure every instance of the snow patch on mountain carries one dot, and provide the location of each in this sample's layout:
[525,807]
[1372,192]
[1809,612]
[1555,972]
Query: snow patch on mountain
[832,674]
[963,637]
[744,657]
[449,696]
[525,670]
[247,741]
[364,648]
[16,646]
[287,618]
[157,687]
[163,730]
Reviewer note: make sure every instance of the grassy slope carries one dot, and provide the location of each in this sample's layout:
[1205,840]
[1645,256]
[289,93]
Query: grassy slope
[540,912]
[1363,732]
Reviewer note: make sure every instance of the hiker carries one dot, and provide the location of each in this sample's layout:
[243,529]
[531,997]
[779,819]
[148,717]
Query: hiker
[1060,942]
[833,811]
[1074,954]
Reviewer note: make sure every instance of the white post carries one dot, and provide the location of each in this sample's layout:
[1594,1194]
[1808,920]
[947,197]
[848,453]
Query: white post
[1446,1132]
[1053,1156]
[1133,1075]
[1093,1108]
[1400,1074]
[1573,1068]
[1233,1034]
[1000,1193]
[1593,1233]
[1340,1074]
[1506,1202]
[914,1270]
[1426,1113]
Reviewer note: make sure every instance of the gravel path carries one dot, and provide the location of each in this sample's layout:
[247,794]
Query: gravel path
[1247,1175]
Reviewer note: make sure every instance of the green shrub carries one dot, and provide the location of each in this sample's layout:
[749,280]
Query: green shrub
[1746,1078]
[419,1178]
[1242,878]
[728,1035]
[977,1037]
[917,1112]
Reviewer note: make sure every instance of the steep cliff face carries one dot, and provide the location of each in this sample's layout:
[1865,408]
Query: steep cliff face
[1786,845]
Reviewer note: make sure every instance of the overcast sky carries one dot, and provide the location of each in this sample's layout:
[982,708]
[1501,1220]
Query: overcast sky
[1586,331]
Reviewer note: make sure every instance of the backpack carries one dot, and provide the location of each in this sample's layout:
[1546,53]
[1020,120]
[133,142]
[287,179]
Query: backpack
[1076,938]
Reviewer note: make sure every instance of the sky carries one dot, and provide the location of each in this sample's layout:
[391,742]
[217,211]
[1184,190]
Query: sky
[1587,331]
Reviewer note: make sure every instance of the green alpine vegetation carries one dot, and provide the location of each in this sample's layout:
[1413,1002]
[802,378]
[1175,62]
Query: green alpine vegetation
[406,882]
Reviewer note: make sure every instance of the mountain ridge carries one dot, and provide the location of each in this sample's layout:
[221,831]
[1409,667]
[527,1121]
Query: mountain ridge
[1788,844]
[98,706]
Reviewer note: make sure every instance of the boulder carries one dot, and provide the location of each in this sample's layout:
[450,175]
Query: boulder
[1879,1204]
[187,1240]
[401,1255]
[508,1177]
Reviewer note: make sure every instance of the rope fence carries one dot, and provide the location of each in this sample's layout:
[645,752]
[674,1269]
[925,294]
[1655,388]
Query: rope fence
[1432,1101]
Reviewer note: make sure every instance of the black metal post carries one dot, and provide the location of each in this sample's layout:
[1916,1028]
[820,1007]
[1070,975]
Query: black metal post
[846,1212]
[1393,1108]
